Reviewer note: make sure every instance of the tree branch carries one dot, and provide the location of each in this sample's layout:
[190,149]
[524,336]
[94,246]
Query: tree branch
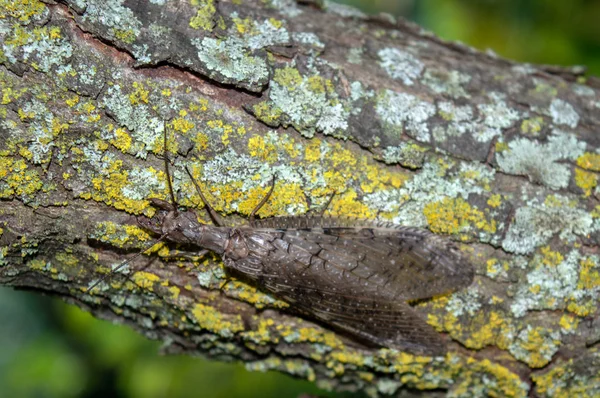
[402,125]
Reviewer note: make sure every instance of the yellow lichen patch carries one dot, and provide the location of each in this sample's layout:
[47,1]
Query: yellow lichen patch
[494,200]
[145,280]
[379,178]
[122,140]
[258,147]
[251,295]
[174,290]
[486,377]
[589,161]
[212,320]
[204,18]
[348,205]
[108,189]
[139,95]
[568,323]
[551,258]
[567,380]
[122,235]
[536,345]
[345,357]
[17,178]
[262,334]
[586,181]
[589,274]
[582,310]
[38,264]
[67,259]
[309,335]
[532,126]
[312,151]
[450,216]
[489,329]
[182,124]
[283,196]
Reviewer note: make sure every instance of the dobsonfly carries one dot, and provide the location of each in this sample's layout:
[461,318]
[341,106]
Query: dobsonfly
[355,276]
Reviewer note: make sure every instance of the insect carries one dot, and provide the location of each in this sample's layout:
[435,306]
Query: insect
[355,276]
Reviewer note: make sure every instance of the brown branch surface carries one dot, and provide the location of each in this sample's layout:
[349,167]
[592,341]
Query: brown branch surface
[500,156]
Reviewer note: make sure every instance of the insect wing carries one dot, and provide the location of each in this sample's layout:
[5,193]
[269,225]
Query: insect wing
[392,325]
[391,262]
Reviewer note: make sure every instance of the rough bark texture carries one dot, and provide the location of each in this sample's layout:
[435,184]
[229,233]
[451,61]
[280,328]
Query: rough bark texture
[500,156]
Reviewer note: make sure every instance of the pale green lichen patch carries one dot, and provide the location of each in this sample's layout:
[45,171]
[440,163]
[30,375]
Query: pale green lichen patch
[535,345]
[435,182]
[129,106]
[556,281]
[536,223]
[400,65]
[408,154]
[401,111]
[563,113]
[42,48]
[121,22]
[308,103]
[447,82]
[542,162]
[230,61]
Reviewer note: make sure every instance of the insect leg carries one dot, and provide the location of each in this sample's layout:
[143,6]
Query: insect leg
[124,263]
[324,209]
[211,212]
[262,202]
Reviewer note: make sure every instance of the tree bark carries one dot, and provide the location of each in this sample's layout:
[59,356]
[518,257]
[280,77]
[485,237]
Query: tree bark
[502,157]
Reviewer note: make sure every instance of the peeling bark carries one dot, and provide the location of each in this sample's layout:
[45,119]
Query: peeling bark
[502,157]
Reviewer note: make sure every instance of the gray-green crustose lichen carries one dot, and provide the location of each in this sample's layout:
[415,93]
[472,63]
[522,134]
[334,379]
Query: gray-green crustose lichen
[230,61]
[400,65]
[308,103]
[536,223]
[403,110]
[541,162]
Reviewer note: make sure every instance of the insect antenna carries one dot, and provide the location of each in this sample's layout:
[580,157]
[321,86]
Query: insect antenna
[262,202]
[211,212]
[163,236]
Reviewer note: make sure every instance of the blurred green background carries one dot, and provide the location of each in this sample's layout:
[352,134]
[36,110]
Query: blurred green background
[50,349]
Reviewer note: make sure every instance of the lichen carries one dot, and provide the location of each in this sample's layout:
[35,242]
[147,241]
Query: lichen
[536,223]
[308,103]
[231,62]
[400,65]
[403,110]
[541,162]
[563,113]
[211,319]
